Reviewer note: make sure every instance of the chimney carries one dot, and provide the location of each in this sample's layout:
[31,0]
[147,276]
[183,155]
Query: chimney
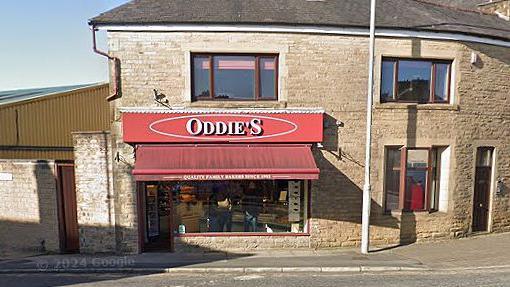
[498,7]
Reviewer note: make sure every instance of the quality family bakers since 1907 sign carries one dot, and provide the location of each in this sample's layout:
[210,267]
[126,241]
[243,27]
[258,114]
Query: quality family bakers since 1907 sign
[192,127]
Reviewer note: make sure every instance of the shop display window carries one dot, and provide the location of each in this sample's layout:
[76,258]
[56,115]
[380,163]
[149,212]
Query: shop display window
[262,206]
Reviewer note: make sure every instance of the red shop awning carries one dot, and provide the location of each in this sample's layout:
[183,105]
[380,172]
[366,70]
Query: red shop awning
[224,162]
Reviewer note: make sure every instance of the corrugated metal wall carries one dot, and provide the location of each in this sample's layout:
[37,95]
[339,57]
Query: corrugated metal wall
[41,128]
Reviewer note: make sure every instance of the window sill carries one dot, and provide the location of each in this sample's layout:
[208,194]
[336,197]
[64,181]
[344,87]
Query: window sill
[419,212]
[239,234]
[238,104]
[409,106]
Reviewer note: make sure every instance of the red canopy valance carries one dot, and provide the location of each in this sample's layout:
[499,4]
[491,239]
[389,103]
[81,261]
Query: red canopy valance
[224,162]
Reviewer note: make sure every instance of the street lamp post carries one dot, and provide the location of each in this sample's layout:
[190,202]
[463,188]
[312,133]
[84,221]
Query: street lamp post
[365,217]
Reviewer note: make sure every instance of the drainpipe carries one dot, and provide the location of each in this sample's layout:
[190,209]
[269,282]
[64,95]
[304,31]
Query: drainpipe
[365,216]
[116,67]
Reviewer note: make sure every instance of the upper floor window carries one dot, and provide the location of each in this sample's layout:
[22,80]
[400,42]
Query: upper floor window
[415,81]
[234,77]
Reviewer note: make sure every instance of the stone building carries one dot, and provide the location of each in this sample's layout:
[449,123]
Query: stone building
[37,194]
[241,125]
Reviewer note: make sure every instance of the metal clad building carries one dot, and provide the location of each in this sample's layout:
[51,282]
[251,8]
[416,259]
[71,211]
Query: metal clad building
[37,123]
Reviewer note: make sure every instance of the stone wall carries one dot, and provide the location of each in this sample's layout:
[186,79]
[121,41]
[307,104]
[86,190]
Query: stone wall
[499,6]
[28,207]
[239,243]
[94,197]
[330,71]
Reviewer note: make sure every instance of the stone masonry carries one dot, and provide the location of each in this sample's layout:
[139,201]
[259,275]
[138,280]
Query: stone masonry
[28,207]
[501,7]
[330,71]
[94,197]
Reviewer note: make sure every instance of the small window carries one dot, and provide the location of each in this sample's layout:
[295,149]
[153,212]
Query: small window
[234,77]
[415,81]
[413,178]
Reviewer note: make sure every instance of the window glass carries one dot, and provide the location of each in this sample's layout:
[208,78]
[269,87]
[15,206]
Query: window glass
[234,77]
[387,80]
[392,178]
[441,83]
[414,81]
[484,156]
[267,68]
[417,158]
[201,77]
[436,179]
[266,206]
[416,180]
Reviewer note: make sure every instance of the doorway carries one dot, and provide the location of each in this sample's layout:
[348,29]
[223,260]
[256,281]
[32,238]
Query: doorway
[483,180]
[156,214]
[68,221]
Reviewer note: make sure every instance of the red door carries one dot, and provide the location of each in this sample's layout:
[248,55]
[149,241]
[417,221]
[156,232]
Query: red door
[482,190]
[68,221]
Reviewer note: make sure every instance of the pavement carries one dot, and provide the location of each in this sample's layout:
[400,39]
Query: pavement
[473,253]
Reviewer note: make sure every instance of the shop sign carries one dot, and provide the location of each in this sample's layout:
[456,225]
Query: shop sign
[205,177]
[222,127]
[225,176]
[195,127]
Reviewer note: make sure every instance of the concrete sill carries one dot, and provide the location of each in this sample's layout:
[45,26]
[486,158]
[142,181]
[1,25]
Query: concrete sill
[413,106]
[399,213]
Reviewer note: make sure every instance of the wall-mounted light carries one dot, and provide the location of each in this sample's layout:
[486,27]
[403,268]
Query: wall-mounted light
[119,158]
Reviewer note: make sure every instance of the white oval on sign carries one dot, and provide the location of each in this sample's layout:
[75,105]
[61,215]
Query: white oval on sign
[153,128]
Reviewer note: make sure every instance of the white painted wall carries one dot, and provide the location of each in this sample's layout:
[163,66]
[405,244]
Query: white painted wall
[444,178]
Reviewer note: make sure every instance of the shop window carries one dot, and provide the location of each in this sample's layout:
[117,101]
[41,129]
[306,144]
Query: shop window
[415,81]
[234,77]
[416,179]
[261,206]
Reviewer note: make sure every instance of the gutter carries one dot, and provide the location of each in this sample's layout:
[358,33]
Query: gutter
[310,29]
[116,67]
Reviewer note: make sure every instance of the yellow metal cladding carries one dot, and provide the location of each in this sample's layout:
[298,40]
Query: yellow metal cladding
[7,126]
[41,128]
[36,154]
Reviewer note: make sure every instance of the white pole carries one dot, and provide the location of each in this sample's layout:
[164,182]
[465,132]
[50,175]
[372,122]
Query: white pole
[365,217]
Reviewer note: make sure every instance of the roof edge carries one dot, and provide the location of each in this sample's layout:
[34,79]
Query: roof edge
[183,110]
[55,94]
[381,31]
